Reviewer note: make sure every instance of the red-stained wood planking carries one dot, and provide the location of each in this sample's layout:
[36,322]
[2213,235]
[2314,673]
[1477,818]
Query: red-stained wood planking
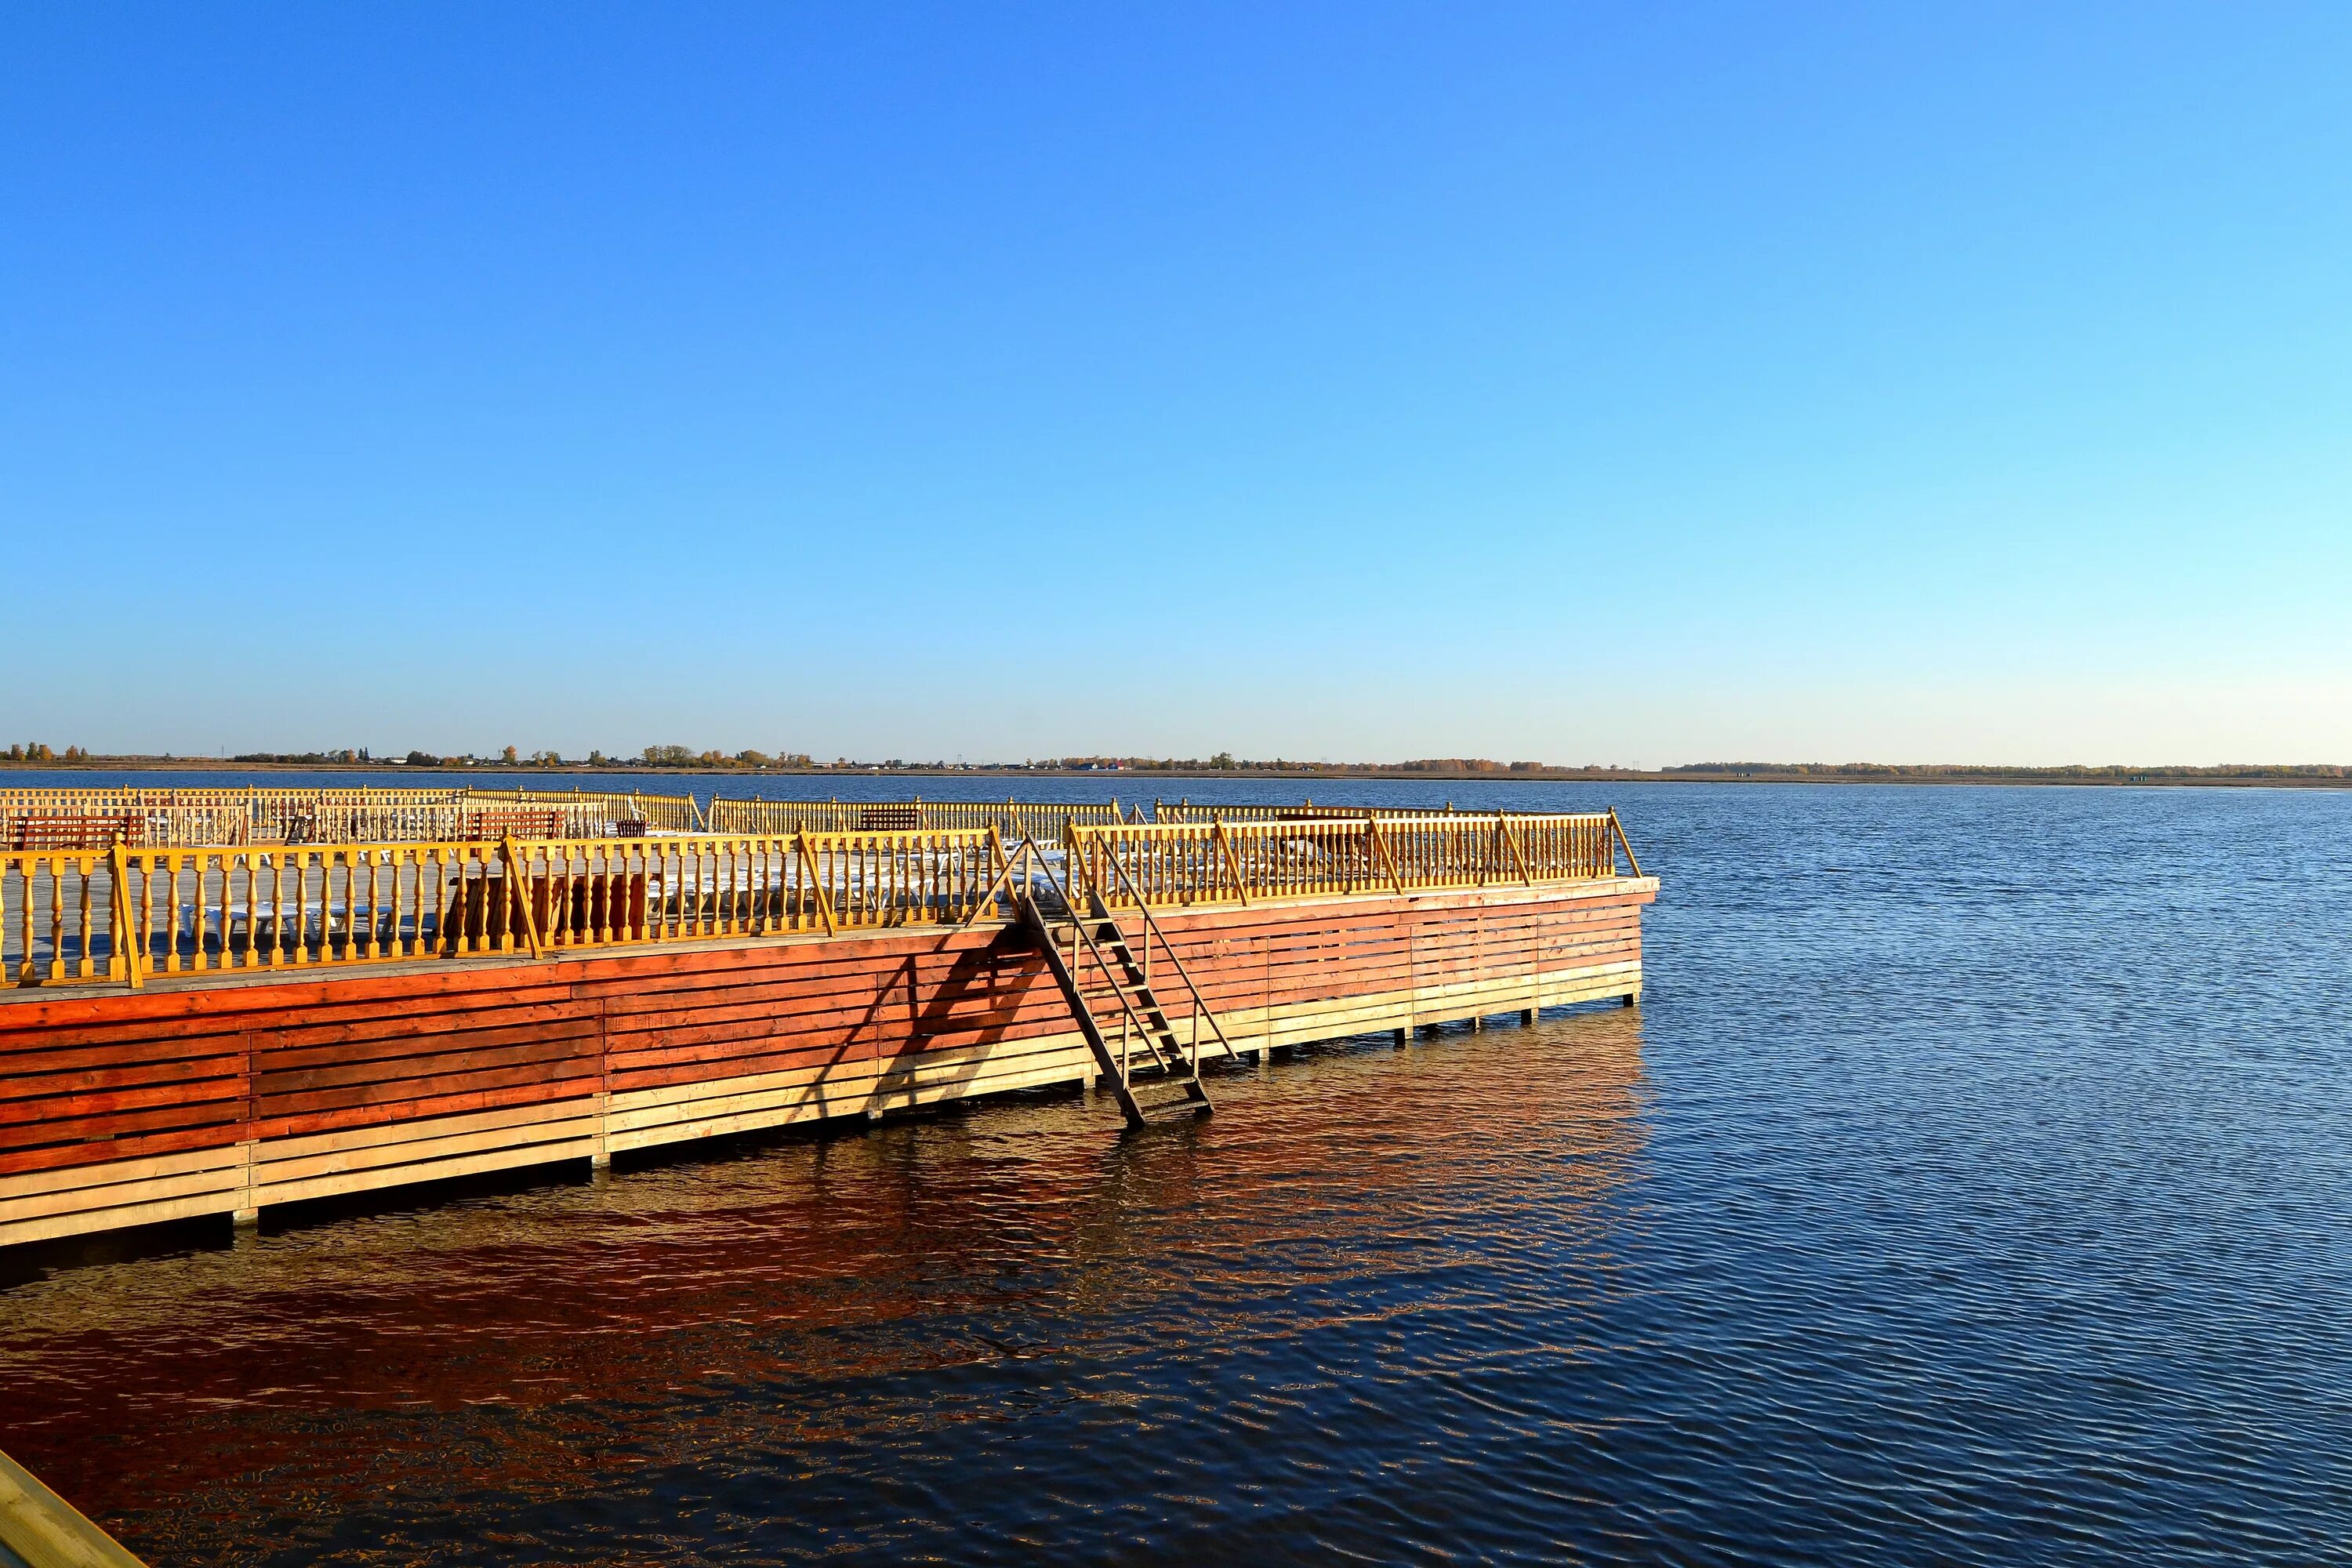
[187,1064]
[204,1124]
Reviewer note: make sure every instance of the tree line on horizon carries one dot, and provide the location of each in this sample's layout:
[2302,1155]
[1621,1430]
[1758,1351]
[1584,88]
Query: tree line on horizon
[37,753]
[2000,770]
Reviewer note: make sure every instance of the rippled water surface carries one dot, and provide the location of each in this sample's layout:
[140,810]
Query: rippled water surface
[1971,1187]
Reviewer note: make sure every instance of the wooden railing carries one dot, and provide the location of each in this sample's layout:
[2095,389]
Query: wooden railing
[122,913]
[1183,811]
[32,819]
[124,798]
[1010,818]
[659,813]
[1224,861]
[125,914]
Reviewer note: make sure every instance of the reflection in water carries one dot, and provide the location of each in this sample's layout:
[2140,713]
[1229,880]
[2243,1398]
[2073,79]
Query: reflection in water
[1980,1203]
[964,1333]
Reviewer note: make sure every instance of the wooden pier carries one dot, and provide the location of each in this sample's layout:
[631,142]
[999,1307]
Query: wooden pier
[200,1030]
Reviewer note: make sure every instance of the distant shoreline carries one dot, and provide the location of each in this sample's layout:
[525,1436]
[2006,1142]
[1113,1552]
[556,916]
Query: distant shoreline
[2151,778]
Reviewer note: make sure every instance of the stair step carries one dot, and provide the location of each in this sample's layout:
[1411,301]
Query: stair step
[1147,1042]
[1148,1102]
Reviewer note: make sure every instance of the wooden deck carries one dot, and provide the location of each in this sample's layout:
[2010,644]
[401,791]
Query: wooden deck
[223,1092]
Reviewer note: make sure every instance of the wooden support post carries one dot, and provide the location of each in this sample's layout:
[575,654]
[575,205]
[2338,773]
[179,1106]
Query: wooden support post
[246,1215]
[1528,1016]
[124,942]
[1619,829]
[521,894]
[823,895]
[602,1157]
[986,905]
[1380,843]
[1503,826]
[1232,864]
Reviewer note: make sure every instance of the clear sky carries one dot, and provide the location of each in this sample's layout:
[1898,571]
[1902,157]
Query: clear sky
[1615,383]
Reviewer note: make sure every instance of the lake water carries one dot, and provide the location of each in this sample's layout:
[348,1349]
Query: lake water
[1973,1186]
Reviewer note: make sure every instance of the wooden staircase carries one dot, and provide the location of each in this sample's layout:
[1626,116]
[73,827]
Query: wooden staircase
[1154,1071]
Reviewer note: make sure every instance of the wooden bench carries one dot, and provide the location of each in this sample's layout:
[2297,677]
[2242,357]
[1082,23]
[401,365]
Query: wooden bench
[899,816]
[38,833]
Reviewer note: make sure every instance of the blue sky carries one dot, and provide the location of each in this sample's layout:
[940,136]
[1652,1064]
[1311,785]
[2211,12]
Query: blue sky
[1569,381]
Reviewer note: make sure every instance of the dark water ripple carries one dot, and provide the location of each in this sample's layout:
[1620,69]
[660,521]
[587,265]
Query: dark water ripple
[1972,1188]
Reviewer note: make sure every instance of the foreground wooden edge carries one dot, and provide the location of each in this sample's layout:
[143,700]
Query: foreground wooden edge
[46,1532]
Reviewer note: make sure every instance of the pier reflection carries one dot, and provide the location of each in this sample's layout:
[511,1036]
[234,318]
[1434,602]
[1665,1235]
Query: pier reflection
[788,1308]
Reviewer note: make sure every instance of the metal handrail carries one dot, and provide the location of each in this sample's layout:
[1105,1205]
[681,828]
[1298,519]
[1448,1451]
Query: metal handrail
[1029,849]
[1152,929]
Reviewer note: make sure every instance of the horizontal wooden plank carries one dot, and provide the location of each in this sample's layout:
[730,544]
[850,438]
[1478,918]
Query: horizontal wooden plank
[52,1087]
[274,1170]
[120,1122]
[118,1217]
[69,1154]
[375,1180]
[452,1102]
[117,1194]
[104,1172]
[301,1146]
[457,1054]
